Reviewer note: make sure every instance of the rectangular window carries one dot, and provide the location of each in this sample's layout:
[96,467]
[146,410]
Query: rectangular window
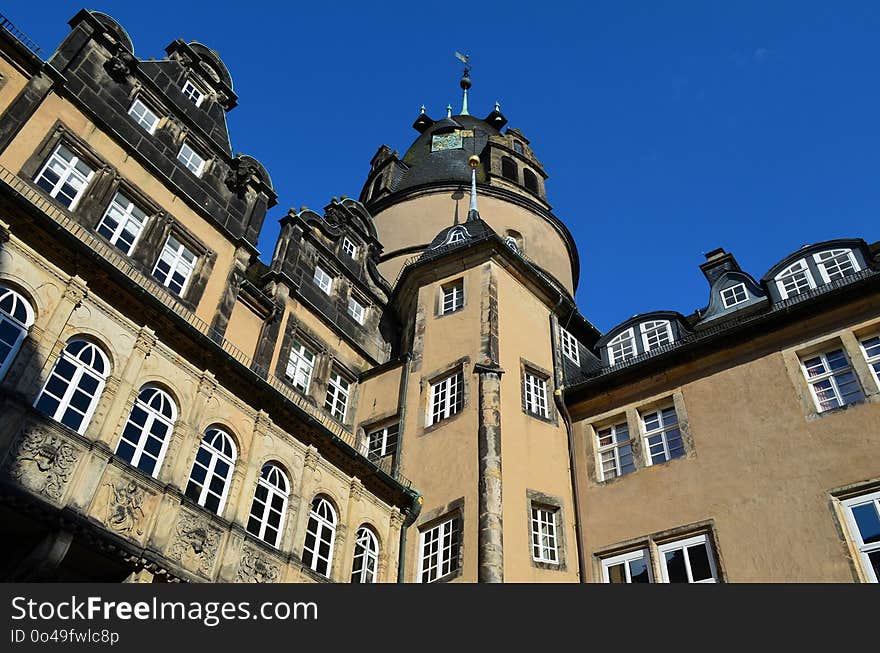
[734,295]
[143,116]
[835,264]
[439,547]
[871,349]
[382,442]
[656,334]
[300,365]
[194,161]
[453,296]
[193,92]
[863,523]
[323,280]
[64,176]
[544,541]
[688,561]
[615,451]
[632,567]
[349,247]
[662,435]
[337,396]
[175,266]
[535,392]
[122,223]
[832,380]
[447,398]
[356,310]
[569,346]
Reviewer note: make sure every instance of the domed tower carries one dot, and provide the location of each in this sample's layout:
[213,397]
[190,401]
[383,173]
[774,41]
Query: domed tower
[482,278]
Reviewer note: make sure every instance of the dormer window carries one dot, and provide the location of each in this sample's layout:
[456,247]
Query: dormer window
[734,295]
[835,264]
[531,181]
[457,235]
[795,279]
[144,116]
[509,169]
[569,346]
[349,247]
[815,270]
[194,161]
[622,348]
[656,334]
[193,92]
[510,241]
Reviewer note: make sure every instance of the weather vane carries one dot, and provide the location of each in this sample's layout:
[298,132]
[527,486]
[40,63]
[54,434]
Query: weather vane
[465,80]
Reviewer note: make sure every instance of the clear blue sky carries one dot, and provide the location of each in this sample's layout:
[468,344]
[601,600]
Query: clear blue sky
[667,128]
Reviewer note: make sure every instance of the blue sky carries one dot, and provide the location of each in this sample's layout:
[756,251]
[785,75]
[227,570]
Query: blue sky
[667,128]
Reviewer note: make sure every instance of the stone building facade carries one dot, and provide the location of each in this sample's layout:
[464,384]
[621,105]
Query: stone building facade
[407,391]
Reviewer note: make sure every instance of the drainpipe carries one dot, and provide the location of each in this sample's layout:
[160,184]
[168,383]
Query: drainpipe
[413,513]
[559,398]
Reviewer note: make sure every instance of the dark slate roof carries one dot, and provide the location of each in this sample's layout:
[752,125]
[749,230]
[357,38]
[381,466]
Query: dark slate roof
[425,166]
[473,230]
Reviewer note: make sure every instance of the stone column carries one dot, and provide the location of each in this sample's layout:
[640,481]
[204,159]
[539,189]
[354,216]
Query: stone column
[389,557]
[307,485]
[184,438]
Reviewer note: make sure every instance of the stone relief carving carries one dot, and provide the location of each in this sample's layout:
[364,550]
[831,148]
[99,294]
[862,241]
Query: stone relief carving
[43,462]
[125,507]
[121,64]
[256,567]
[196,543]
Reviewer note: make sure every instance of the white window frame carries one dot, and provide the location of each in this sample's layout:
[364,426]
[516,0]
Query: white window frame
[731,293]
[193,92]
[625,559]
[798,269]
[81,369]
[661,431]
[832,377]
[20,315]
[377,445]
[569,346]
[872,357]
[338,391]
[436,559]
[227,454]
[176,264]
[69,172]
[613,430]
[842,269]
[141,113]
[276,486]
[855,534]
[349,247]
[625,342]
[440,398]
[366,551]
[356,310]
[659,330]
[451,296]
[146,429]
[323,280]
[301,364]
[456,235]
[535,394]
[128,217]
[545,539]
[323,529]
[187,159]
[684,544]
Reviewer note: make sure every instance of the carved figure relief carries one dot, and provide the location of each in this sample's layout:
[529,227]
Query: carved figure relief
[125,507]
[43,462]
[256,567]
[195,545]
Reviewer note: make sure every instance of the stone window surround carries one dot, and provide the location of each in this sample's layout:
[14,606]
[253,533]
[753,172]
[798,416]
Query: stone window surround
[651,542]
[98,196]
[425,383]
[836,497]
[538,499]
[375,423]
[547,375]
[455,510]
[847,339]
[438,296]
[633,416]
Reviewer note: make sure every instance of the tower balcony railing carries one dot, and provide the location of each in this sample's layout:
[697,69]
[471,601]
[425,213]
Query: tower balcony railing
[109,255]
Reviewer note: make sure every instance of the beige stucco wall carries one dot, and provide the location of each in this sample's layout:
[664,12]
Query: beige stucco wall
[763,464]
[417,221]
[12,80]
[244,329]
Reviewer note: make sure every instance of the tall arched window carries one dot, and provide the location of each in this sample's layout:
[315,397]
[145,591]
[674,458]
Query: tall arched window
[366,557]
[16,317]
[270,504]
[209,479]
[509,169]
[320,536]
[145,437]
[71,392]
[531,181]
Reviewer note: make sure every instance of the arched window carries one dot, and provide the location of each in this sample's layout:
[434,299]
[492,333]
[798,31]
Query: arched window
[145,437]
[531,181]
[622,348]
[457,235]
[510,241]
[509,169]
[270,504]
[795,279]
[72,390]
[366,557]
[16,317]
[656,334]
[835,264]
[320,535]
[211,471]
